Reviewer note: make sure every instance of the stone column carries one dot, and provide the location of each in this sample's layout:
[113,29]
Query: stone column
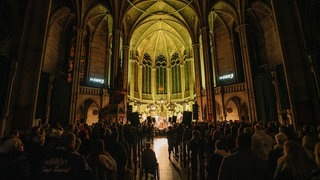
[3,124]
[125,61]
[107,67]
[302,93]
[140,69]
[30,60]
[169,83]
[115,56]
[49,92]
[183,81]
[246,62]
[197,73]
[80,33]
[209,77]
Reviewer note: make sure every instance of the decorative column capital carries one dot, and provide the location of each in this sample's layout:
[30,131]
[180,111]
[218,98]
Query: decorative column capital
[196,45]
[79,30]
[126,47]
[204,28]
[241,27]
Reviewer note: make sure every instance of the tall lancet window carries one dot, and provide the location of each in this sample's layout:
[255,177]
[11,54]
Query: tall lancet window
[146,74]
[187,73]
[136,75]
[161,75]
[175,73]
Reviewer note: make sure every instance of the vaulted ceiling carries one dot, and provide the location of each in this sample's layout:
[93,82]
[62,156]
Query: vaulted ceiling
[160,27]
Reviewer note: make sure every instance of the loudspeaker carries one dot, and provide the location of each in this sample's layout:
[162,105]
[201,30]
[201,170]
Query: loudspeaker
[195,110]
[149,120]
[134,119]
[174,119]
[187,118]
[170,119]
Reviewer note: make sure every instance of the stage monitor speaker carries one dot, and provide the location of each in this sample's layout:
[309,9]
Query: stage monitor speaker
[187,118]
[174,119]
[135,119]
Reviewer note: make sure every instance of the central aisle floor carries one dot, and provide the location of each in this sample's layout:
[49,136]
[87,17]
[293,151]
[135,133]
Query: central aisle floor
[169,169]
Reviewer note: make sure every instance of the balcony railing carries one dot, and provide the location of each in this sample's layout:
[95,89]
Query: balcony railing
[230,88]
[90,91]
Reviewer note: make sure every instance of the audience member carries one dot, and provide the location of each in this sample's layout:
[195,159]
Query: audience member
[64,163]
[262,143]
[243,164]
[294,164]
[215,160]
[103,165]
[149,160]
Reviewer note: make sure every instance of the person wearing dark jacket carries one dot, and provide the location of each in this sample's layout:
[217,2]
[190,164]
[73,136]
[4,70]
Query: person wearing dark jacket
[243,164]
[215,160]
[14,164]
[149,160]
[63,163]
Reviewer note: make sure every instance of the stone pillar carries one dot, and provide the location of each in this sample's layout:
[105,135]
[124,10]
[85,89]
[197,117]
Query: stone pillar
[246,62]
[183,81]
[107,67]
[30,60]
[169,83]
[3,124]
[125,67]
[80,33]
[115,56]
[49,92]
[223,107]
[140,69]
[302,93]
[276,88]
[197,73]
[208,64]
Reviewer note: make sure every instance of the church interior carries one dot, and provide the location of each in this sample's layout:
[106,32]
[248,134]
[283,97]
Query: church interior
[164,61]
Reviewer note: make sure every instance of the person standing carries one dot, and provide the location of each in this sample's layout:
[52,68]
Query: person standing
[64,163]
[243,164]
[149,160]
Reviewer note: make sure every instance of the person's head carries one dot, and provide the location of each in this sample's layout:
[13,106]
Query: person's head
[14,134]
[243,141]
[97,146]
[281,138]
[196,134]
[308,142]
[12,145]
[148,145]
[83,134]
[68,139]
[219,145]
[258,127]
[292,148]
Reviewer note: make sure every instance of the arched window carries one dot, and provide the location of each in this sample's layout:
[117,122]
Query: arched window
[175,73]
[135,73]
[187,74]
[161,75]
[146,74]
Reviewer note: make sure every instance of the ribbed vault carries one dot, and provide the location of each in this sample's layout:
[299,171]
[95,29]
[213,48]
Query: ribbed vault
[159,27]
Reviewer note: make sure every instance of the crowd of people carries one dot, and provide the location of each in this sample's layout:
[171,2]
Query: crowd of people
[219,150]
[239,150]
[77,151]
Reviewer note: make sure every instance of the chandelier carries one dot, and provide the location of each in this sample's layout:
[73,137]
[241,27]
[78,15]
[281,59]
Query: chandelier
[159,1]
